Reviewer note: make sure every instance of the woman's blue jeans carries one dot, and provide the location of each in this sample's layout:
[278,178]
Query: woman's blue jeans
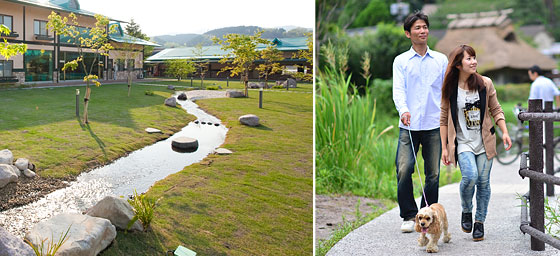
[475,170]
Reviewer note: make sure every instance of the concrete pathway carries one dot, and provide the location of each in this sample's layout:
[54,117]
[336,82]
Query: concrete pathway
[382,236]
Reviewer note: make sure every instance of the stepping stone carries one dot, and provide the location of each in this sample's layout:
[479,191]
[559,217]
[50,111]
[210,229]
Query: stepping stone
[185,143]
[222,151]
[152,130]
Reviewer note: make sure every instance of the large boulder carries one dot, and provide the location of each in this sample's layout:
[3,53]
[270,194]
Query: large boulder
[250,120]
[171,101]
[171,87]
[87,235]
[6,157]
[7,175]
[12,245]
[182,96]
[22,164]
[234,94]
[291,83]
[117,210]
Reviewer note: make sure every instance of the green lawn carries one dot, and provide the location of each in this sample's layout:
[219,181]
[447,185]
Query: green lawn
[258,201]
[41,125]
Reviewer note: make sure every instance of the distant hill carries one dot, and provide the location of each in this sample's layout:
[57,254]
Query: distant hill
[181,40]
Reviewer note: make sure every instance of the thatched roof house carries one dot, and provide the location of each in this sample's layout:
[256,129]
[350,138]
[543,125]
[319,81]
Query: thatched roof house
[501,54]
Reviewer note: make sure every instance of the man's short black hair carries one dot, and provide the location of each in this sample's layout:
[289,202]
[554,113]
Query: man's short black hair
[413,17]
[536,69]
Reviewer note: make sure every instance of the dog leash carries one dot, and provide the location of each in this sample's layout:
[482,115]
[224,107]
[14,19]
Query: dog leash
[416,163]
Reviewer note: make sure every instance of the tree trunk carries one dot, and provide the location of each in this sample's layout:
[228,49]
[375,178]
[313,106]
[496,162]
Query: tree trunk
[246,85]
[129,83]
[86,101]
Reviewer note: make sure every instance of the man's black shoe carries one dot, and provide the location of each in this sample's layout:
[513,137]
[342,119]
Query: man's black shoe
[478,232]
[466,222]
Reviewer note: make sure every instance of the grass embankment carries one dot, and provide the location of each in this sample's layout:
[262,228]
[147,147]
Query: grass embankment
[257,201]
[41,125]
[233,84]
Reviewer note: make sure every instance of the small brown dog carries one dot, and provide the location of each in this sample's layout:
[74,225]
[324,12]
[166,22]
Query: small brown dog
[432,220]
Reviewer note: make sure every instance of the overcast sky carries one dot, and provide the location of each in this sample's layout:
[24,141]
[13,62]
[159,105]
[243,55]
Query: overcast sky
[165,17]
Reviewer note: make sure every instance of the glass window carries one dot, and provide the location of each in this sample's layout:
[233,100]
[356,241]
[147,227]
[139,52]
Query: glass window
[40,28]
[6,68]
[38,65]
[120,65]
[7,21]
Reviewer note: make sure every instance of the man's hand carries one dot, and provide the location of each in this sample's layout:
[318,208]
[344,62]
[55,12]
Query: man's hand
[405,118]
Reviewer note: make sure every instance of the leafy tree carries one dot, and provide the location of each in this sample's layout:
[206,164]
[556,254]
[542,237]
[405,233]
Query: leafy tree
[201,64]
[9,50]
[376,11]
[179,68]
[242,53]
[128,51]
[133,29]
[94,39]
[271,57]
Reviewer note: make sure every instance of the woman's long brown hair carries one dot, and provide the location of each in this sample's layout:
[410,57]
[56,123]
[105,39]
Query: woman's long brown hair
[451,79]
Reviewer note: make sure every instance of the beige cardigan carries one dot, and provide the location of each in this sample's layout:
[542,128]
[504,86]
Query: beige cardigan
[489,106]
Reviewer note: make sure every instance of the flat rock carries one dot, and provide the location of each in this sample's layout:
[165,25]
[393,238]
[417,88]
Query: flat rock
[6,157]
[171,87]
[222,151]
[7,175]
[250,120]
[87,236]
[117,210]
[22,164]
[185,143]
[152,130]
[12,245]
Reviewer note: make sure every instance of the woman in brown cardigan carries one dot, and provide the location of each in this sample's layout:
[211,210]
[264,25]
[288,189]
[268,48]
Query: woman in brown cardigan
[467,132]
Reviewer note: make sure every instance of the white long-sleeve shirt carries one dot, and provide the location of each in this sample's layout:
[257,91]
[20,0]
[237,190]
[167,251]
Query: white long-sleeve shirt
[417,82]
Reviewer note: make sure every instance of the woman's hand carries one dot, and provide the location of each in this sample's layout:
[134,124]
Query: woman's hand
[507,141]
[445,157]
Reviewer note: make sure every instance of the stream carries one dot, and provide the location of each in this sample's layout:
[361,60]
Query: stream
[139,170]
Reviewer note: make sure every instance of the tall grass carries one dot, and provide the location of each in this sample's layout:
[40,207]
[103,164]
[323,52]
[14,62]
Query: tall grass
[352,153]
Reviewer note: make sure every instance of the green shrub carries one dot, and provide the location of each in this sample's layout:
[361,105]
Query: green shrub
[143,208]
[149,92]
[348,141]
[513,92]
[278,87]
[212,88]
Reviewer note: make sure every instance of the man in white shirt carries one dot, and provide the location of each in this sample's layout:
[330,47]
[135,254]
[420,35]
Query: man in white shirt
[542,87]
[417,79]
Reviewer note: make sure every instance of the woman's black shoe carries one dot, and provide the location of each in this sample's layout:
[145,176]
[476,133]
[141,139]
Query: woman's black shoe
[466,222]
[478,232]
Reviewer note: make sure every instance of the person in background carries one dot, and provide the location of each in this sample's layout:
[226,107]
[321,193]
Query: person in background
[542,87]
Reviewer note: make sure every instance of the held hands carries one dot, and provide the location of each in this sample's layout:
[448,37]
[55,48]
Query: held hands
[405,118]
[507,141]
[445,157]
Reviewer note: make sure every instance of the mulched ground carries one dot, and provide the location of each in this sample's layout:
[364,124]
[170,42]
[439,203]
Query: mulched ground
[27,190]
[330,209]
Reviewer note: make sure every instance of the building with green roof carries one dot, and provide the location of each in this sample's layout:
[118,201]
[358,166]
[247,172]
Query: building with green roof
[47,52]
[212,54]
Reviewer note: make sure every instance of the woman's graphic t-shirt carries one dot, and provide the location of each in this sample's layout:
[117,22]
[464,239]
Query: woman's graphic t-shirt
[469,137]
